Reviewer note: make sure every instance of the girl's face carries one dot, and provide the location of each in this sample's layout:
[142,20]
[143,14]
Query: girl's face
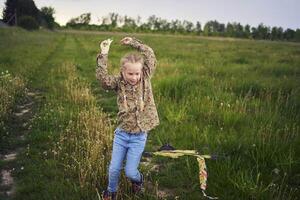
[132,72]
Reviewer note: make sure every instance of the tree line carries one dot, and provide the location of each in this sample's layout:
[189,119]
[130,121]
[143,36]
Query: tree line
[24,13]
[154,24]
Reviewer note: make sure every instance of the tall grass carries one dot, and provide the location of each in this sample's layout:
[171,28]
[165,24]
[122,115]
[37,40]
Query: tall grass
[233,98]
[11,88]
[237,99]
[85,144]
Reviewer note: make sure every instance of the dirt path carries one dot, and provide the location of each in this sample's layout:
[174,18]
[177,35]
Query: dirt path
[17,126]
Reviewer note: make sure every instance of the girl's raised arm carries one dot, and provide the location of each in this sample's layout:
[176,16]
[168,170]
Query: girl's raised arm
[107,81]
[146,51]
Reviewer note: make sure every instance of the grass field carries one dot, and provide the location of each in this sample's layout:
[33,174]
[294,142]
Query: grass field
[236,98]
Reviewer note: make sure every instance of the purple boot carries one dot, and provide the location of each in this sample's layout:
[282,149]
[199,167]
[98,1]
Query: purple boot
[106,195]
[137,187]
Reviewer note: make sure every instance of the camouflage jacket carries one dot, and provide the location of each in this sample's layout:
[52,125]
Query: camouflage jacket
[132,117]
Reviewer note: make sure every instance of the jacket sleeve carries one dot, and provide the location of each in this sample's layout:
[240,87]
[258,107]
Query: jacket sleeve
[109,82]
[149,56]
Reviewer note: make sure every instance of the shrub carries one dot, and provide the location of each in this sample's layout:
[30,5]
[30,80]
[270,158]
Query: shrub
[28,22]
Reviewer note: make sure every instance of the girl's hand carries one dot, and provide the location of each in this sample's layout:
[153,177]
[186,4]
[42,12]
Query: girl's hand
[104,45]
[126,40]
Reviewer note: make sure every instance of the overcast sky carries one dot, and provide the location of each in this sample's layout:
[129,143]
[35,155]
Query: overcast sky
[284,13]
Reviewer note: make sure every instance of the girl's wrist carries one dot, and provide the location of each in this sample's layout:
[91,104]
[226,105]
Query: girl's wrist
[104,52]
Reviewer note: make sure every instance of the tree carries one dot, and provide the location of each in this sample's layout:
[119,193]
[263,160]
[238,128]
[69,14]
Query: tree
[83,19]
[152,22]
[280,33]
[263,31]
[254,33]
[247,32]
[28,22]
[177,26]
[129,24]
[208,28]
[15,9]
[157,24]
[198,28]
[229,30]
[238,30]
[113,19]
[188,26]
[173,26]
[138,20]
[166,26]
[289,34]
[221,29]
[47,17]
[214,28]
[297,35]
[276,33]
[9,12]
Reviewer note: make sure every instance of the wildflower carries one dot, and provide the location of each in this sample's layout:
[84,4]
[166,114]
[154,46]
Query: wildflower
[276,171]
[54,152]
[272,185]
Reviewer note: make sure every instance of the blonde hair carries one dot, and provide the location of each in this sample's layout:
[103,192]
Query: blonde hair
[132,58]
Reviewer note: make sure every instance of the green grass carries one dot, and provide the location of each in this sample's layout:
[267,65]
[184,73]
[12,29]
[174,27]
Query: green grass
[238,98]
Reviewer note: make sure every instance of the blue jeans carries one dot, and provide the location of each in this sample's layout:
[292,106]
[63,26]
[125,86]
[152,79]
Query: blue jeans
[131,146]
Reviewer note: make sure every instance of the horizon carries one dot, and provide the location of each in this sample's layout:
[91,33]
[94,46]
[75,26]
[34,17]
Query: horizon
[281,14]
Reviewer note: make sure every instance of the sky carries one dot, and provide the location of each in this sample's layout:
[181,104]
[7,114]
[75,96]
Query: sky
[284,13]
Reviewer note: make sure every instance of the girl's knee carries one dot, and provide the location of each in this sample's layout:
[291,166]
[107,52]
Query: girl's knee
[132,174]
[114,170]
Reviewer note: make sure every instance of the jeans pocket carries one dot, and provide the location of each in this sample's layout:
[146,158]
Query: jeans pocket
[142,137]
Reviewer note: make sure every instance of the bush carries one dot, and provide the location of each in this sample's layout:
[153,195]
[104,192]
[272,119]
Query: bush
[28,23]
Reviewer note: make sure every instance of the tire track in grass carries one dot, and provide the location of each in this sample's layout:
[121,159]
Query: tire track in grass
[45,66]
[19,126]
[20,120]
[49,179]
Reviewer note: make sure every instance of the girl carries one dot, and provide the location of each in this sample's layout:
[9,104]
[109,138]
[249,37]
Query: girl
[137,111]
